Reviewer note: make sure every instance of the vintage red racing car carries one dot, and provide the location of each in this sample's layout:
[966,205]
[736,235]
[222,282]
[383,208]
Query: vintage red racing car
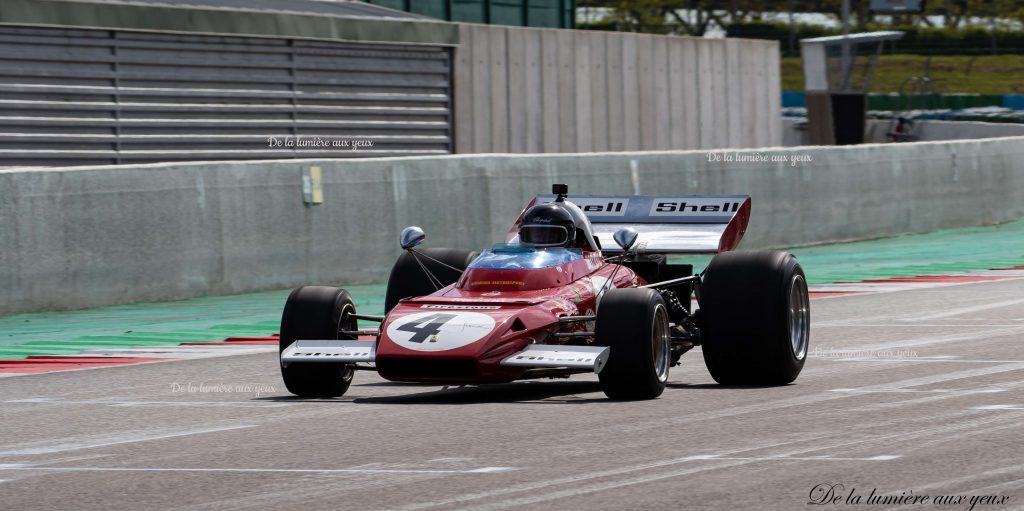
[580,286]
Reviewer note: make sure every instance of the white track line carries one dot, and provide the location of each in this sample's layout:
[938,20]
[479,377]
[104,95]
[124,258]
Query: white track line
[867,288]
[914,325]
[482,470]
[967,310]
[228,404]
[886,457]
[862,359]
[916,391]
[116,439]
[938,339]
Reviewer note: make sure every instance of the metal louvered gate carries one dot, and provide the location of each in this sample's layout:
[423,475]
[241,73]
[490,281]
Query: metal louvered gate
[76,97]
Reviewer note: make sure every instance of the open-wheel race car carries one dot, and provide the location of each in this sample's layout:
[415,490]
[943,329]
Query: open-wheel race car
[580,286]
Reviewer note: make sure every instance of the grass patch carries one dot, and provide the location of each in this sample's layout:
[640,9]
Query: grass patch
[989,74]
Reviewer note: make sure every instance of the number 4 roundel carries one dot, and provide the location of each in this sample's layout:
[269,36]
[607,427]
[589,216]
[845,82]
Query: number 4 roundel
[439,330]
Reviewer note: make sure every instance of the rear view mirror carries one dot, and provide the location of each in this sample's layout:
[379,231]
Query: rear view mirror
[411,236]
[626,238]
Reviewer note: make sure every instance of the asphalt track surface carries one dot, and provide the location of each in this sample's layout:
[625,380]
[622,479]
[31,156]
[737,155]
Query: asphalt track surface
[906,391]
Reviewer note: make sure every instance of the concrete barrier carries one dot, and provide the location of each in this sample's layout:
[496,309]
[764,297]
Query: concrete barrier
[88,236]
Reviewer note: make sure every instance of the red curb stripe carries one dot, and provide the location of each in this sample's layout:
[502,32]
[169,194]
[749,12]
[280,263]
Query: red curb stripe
[81,359]
[229,343]
[822,294]
[247,340]
[46,364]
[935,278]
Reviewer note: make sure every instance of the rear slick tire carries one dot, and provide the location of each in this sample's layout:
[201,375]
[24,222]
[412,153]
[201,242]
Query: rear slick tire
[633,322]
[755,318]
[316,313]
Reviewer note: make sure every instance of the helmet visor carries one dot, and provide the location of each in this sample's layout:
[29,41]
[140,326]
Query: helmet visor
[544,235]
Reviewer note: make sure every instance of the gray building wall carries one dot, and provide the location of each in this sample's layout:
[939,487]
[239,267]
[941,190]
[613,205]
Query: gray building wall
[530,90]
[74,96]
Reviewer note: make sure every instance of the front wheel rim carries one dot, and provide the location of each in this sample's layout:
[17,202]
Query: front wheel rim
[661,343]
[346,321]
[799,318]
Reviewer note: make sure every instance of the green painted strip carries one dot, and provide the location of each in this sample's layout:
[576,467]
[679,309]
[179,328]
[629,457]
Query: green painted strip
[162,338]
[259,314]
[19,353]
[99,340]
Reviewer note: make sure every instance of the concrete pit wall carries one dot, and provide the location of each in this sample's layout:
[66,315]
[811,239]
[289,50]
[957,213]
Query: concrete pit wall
[89,236]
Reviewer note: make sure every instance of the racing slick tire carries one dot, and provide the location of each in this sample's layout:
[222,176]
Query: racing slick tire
[314,313]
[755,318]
[407,277]
[634,323]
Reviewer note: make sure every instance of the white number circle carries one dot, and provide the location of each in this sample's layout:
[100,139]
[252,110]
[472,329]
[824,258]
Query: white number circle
[439,330]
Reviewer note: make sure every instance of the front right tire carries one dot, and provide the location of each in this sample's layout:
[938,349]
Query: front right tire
[316,313]
[634,323]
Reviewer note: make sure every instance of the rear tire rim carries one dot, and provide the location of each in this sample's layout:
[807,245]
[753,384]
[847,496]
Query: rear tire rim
[661,343]
[799,318]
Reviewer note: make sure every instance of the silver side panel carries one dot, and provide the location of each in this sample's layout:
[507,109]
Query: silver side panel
[330,351]
[572,357]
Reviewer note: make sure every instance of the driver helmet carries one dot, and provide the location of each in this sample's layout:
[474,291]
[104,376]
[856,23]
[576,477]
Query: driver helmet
[547,225]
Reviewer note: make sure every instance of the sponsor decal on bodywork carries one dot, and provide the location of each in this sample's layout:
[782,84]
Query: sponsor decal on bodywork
[460,307]
[439,331]
[692,206]
[497,283]
[612,206]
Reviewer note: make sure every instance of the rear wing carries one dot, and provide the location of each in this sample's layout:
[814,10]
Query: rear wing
[690,224]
